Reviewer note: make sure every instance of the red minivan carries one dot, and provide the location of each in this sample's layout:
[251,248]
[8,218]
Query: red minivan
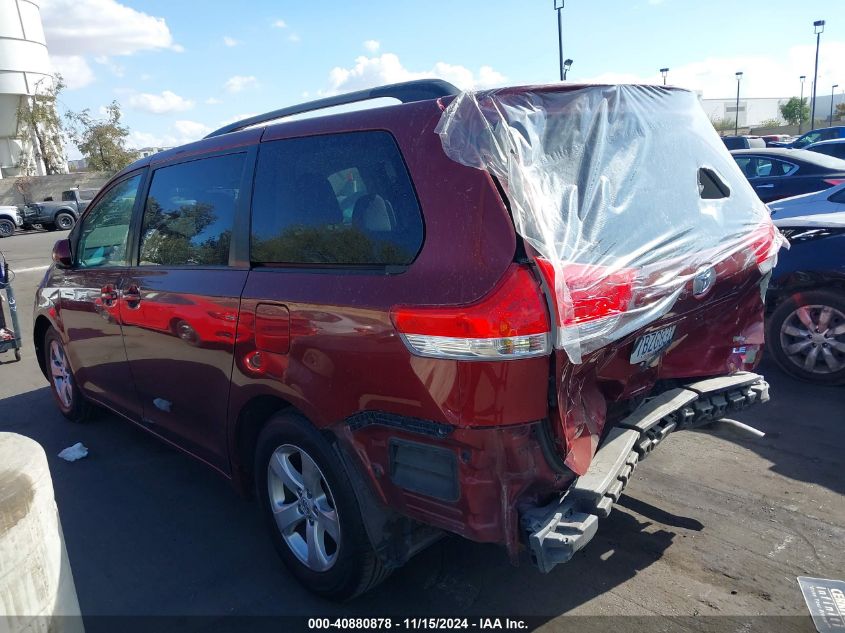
[467,313]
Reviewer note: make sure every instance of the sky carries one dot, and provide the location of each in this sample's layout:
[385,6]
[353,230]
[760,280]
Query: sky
[180,69]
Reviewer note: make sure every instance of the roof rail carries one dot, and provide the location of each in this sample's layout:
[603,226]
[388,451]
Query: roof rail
[406,92]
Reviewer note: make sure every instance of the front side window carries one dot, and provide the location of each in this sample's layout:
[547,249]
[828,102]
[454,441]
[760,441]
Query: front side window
[104,232]
[190,212]
[810,137]
[343,199]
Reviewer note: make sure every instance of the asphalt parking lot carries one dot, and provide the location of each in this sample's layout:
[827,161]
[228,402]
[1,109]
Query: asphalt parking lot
[713,524]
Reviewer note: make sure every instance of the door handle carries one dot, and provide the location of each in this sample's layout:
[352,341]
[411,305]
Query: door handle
[108,295]
[769,186]
[132,296]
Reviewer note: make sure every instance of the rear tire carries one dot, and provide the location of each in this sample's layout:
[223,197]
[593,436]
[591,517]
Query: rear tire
[64,221]
[69,398]
[337,568]
[806,336]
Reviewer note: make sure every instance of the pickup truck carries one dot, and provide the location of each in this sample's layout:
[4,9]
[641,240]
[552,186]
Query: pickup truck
[61,215]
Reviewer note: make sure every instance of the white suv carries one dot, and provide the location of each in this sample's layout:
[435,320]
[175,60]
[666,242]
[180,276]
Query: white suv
[10,219]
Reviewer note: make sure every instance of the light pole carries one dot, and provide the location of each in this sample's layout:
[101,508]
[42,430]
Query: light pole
[801,104]
[736,125]
[664,72]
[832,90]
[559,9]
[567,64]
[818,27]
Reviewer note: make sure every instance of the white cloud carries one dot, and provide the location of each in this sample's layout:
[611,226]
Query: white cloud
[239,82]
[74,70]
[162,103]
[213,101]
[229,41]
[762,76]
[191,129]
[101,27]
[372,45]
[279,24]
[386,69]
[179,133]
[237,117]
[293,37]
[116,69]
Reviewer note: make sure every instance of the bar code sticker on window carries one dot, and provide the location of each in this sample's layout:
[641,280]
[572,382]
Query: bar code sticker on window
[826,601]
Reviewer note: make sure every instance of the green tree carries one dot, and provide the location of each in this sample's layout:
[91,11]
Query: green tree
[794,110]
[839,112]
[39,123]
[724,124]
[101,141]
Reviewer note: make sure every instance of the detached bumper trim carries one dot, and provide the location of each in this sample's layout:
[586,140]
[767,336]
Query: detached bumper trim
[556,531]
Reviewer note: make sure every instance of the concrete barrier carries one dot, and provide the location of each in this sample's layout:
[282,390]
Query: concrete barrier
[37,593]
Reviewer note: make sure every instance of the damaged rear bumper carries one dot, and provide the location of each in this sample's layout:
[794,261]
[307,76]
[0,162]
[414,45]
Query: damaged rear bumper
[556,531]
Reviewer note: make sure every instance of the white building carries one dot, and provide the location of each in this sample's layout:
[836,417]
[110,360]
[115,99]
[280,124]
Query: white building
[24,69]
[752,112]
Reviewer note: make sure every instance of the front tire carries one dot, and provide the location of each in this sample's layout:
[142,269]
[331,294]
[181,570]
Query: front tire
[310,507]
[806,336]
[7,228]
[69,398]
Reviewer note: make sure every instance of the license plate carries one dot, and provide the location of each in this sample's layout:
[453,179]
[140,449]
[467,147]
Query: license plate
[651,344]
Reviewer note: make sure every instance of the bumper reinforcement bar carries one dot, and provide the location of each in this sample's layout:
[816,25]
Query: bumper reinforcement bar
[556,531]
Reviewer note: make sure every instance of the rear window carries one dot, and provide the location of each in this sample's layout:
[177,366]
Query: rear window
[343,199]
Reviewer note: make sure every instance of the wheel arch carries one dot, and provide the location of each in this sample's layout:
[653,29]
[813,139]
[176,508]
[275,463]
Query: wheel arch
[39,329]
[251,418]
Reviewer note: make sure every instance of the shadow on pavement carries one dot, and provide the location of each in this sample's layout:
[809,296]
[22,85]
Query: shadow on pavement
[805,430]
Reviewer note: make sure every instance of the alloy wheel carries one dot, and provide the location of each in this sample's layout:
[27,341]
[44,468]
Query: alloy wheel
[7,229]
[303,507]
[813,338]
[61,374]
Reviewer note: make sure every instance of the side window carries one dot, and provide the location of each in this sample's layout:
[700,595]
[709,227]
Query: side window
[67,196]
[839,196]
[342,199]
[104,232]
[765,168]
[810,137]
[190,212]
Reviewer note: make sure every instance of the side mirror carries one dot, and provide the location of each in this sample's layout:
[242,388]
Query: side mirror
[61,254]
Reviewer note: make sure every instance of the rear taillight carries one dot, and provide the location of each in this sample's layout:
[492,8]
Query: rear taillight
[834,181]
[595,292]
[509,323]
[762,247]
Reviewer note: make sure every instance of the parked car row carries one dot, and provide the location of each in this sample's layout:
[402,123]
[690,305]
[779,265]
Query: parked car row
[51,215]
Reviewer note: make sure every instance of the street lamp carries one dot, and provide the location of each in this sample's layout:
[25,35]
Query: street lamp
[664,72]
[818,27]
[736,125]
[567,64]
[833,88]
[559,9]
[801,104]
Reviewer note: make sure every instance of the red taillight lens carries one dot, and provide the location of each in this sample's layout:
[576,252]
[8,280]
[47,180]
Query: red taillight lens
[761,246]
[834,181]
[510,322]
[596,292]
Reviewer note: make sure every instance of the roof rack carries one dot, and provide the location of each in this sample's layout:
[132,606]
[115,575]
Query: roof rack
[406,92]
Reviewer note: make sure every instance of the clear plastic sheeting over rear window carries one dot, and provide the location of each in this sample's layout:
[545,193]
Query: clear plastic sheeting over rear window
[625,193]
